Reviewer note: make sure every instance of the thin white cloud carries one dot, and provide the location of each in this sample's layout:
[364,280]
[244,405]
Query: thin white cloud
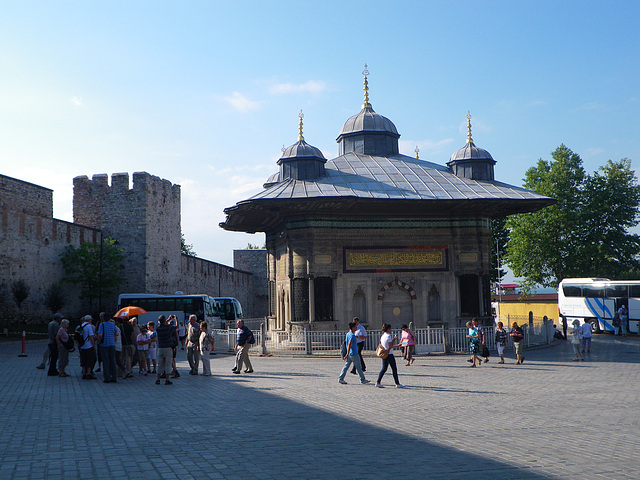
[77,101]
[592,152]
[425,147]
[538,103]
[240,103]
[589,106]
[312,86]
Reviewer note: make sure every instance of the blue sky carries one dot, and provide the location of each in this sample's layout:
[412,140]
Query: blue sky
[205,94]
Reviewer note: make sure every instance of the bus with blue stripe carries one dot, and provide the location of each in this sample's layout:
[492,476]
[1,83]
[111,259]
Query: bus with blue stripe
[596,300]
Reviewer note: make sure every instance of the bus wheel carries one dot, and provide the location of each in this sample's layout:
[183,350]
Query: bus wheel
[595,325]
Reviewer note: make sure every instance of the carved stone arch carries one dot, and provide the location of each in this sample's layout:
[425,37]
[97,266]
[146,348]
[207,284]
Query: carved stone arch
[400,284]
[360,304]
[397,299]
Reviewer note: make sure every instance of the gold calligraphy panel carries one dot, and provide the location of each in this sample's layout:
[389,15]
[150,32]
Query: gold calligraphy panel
[423,258]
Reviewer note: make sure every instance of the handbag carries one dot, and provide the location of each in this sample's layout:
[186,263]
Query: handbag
[381,352]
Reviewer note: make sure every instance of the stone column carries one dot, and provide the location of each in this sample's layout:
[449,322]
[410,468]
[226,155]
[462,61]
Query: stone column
[312,301]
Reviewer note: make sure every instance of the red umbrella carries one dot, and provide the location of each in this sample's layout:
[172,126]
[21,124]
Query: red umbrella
[130,311]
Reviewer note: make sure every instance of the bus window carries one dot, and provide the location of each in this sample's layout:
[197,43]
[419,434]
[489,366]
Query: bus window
[166,304]
[593,291]
[634,291]
[572,290]
[616,291]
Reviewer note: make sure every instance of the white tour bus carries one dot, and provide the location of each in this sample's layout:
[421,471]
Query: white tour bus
[229,310]
[597,300]
[202,306]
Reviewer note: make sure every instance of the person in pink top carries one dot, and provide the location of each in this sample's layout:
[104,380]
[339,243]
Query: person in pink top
[408,342]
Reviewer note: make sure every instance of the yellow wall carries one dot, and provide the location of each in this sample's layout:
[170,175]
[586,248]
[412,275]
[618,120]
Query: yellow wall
[522,309]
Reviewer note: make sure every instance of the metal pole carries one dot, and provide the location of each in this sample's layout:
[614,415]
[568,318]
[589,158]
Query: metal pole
[100,276]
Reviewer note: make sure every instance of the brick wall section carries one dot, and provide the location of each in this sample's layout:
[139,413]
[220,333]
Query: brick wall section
[32,241]
[25,197]
[211,278]
[254,261]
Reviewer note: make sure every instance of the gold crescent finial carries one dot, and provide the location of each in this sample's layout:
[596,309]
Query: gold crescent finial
[300,136]
[417,150]
[469,139]
[366,103]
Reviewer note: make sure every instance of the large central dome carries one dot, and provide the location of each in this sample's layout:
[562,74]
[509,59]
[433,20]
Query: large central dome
[368,132]
[368,121]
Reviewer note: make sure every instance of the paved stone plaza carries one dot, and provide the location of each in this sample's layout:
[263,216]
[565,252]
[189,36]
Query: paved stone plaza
[549,418]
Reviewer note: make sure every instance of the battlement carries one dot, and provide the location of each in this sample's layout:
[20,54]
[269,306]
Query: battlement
[95,201]
[142,182]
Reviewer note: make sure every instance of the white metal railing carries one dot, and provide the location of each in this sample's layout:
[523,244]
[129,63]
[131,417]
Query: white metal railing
[534,335]
[428,340]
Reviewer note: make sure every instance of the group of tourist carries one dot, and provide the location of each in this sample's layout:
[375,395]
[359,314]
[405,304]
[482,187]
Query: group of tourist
[116,345]
[354,344]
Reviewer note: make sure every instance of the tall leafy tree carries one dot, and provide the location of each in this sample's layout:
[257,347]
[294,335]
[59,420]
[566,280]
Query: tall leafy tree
[613,198]
[586,232]
[95,268]
[498,247]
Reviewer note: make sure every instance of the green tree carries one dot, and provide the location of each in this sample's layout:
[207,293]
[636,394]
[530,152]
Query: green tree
[20,291]
[586,232]
[613,198]
[498,247]
[186,249]
[94,268]
[54,298]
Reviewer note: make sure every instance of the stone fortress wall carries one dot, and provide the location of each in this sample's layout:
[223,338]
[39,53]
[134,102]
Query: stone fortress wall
[145,221]
[31,242]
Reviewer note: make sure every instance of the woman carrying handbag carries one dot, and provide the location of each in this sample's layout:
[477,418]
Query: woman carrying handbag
[385,351]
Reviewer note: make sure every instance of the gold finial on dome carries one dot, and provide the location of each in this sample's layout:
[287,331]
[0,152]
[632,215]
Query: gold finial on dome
[300,136]
[417,150]
[469,139]
[366,103]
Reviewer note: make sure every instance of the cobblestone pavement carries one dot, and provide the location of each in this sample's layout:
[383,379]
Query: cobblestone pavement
[548,418]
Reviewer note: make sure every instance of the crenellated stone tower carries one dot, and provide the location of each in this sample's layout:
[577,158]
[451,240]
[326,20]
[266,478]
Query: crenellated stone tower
[144,219]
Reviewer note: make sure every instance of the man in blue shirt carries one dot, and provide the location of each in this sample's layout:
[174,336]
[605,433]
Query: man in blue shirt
[352,356]
[107,334]
[243,342]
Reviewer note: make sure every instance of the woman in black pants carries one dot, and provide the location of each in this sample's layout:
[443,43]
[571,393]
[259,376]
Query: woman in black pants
[387,344]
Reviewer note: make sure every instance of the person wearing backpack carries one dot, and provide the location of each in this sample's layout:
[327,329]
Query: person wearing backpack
[88,348]
[193,349]
[243,342]
[166,335]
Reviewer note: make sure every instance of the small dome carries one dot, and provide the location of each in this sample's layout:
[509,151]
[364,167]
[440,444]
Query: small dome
[301,149]
[368,121]
[274,179]
[471,152]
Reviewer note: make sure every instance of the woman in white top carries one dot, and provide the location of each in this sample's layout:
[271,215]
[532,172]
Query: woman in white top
[387,343]
[207,342]
[576,341]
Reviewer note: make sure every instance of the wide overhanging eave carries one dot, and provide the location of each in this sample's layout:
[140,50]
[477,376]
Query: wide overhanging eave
[262,215]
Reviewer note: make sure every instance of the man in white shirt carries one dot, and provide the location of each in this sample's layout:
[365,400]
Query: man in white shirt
[586,337]
[361,337]
[88,349]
